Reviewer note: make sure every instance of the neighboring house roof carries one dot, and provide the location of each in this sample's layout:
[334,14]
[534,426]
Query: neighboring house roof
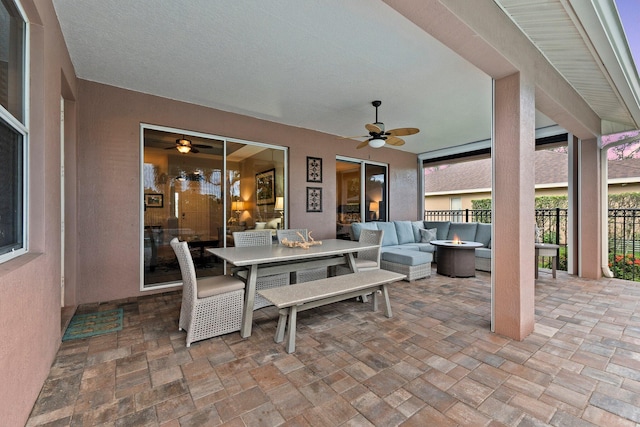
[551,171]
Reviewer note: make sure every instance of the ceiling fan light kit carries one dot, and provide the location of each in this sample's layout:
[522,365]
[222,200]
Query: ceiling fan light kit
[376,142]
[378,137]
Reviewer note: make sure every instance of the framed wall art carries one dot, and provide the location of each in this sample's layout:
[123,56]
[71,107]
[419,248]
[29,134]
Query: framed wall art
[314,199]
[154,200]
[266,187]
[314,169]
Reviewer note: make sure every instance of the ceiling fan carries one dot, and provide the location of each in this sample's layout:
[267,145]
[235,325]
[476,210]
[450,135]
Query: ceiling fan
[378,136]
[184,146]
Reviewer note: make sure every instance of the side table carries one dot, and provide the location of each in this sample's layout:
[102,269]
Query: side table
[547,250]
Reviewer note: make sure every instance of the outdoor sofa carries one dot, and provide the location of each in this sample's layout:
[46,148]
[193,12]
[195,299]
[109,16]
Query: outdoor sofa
[400,237]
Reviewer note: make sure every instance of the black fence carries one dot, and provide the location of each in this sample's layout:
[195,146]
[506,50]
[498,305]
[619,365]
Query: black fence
[623,227]
[551,227]
[624,243]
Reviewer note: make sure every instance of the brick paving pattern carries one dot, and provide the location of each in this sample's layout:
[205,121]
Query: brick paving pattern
[435,363]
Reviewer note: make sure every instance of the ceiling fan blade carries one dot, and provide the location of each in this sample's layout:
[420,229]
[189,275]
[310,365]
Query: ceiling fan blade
[395,141]
[352,137]
[194,150]
[403,131]
[363,144]
[201,146]
[373,128]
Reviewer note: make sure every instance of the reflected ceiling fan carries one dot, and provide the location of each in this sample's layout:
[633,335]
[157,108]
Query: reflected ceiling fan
[185,146]
[378,137]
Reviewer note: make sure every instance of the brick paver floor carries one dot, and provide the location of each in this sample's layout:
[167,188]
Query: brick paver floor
[435,363]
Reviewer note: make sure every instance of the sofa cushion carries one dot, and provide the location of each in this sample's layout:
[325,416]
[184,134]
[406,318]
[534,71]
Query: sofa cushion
[427,236]
[483,253]
[416,226]
[404,231]
[483,234]
[442,226]
[463,230]
[404,257]
[425,247]
[389,237]
[357,227]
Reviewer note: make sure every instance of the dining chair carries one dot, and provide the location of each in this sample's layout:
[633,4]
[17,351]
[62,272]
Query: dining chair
[307,275]
[211,306]
[368,259]
[259,238]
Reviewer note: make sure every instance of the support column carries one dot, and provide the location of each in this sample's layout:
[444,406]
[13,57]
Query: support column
[589,211]
[572,214]
[513,204]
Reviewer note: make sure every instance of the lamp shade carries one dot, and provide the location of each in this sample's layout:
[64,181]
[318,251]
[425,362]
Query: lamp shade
[279,204]
[376,143]
[373,206]
[237,205]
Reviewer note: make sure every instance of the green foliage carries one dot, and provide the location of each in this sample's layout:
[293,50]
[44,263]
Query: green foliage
[625,267]
[552,202]
[624,201]
[481,204]
[542,202]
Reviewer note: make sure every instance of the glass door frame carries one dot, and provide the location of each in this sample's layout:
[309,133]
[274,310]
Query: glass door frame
[363,185]
[226,206]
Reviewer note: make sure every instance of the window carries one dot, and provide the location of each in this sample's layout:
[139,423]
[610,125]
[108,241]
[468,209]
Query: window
[217,186]
[13,133]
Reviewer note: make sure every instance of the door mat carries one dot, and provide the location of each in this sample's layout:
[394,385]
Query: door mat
[92,324]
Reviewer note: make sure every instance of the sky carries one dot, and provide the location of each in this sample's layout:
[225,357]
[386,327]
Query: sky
[629,11]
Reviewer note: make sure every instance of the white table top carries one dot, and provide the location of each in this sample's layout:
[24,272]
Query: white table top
[464,244]
[276,253]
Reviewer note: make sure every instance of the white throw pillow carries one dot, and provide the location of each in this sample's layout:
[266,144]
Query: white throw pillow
[260,225]
[428,235]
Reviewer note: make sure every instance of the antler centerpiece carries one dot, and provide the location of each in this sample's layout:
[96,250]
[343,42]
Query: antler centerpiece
[304,243]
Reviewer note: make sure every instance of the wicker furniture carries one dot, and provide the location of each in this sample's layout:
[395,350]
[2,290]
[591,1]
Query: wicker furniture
[369,259]
[273,259]
[211,306]
[302,275]
[259,238]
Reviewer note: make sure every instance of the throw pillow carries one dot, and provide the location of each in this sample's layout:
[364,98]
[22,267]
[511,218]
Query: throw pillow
[428,235]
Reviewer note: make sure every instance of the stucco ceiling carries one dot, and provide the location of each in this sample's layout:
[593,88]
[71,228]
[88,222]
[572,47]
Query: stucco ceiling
[314,65]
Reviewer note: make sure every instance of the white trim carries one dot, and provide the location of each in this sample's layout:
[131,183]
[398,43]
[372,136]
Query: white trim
[23,129]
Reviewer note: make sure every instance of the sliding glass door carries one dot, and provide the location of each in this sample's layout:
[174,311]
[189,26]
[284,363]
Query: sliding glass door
[361,192]
[200,189]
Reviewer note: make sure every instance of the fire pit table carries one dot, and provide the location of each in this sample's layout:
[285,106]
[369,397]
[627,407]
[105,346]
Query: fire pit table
[456,258]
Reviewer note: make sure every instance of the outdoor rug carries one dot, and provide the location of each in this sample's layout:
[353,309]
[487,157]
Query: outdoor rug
[92,324]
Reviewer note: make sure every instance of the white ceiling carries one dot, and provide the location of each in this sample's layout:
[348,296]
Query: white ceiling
[311,64]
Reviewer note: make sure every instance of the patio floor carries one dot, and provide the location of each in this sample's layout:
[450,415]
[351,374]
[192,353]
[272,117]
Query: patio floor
[434,363]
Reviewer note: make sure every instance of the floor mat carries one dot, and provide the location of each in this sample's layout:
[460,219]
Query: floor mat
[92,324]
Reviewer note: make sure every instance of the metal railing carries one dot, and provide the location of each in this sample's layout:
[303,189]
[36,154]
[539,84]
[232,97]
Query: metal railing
[551,223]
[623,244]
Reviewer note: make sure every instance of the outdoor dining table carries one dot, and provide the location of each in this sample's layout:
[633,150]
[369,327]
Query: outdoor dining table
[274,259]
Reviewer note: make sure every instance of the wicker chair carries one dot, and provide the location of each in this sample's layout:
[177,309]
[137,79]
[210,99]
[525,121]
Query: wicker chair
[304,275]
[211,306]
[369,259]
[259,238]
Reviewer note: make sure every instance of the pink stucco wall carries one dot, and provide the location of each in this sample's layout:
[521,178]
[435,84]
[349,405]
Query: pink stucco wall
[109,169]
[30,285]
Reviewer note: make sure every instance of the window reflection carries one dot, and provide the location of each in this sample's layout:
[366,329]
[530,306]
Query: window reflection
[202,198]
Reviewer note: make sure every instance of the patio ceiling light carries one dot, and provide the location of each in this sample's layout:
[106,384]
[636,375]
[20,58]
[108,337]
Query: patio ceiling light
[376,143]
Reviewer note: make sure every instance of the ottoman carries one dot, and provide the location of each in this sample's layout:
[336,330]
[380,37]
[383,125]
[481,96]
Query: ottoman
[414,264]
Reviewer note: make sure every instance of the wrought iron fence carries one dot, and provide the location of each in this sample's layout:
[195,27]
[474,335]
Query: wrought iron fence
[624,243]
[624,234]
[551,223]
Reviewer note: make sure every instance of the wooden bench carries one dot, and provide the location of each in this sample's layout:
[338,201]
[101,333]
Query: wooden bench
[292,299]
